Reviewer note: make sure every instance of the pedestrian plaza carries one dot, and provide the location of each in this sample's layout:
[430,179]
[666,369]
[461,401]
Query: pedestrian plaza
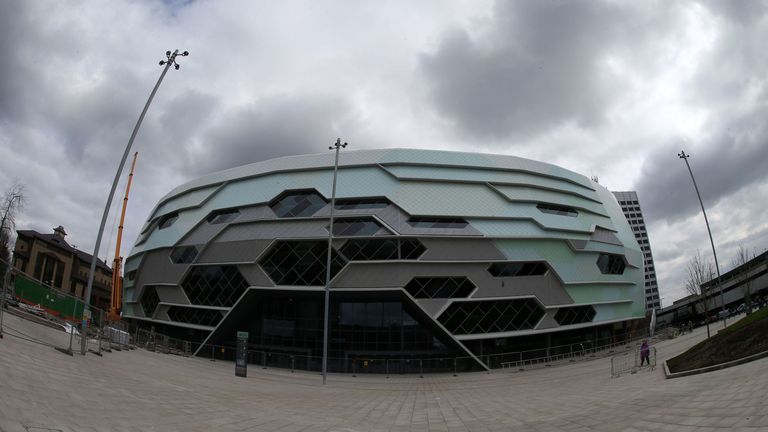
[42,389]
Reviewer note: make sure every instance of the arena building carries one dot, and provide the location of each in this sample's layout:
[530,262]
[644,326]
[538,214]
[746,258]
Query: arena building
[436,255]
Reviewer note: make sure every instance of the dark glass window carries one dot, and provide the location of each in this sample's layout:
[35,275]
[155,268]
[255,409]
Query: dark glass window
[131,275]
[360,204]
[223,216]
[167,220]
[433,222]
[297,204]
[300,263]
[472,317]
[214,285]
[439,287]
[149,301]
[611,264]
[184,254]
[557,209]
[203,317]
[575,315]
[511,269]
[355,227]
[382,249]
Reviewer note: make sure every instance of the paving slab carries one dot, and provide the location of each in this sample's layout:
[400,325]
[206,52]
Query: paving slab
[137,390]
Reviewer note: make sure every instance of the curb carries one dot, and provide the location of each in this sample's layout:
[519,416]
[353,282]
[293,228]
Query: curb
[737,362]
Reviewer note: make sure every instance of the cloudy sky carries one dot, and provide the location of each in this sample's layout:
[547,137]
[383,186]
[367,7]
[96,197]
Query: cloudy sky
[613,89]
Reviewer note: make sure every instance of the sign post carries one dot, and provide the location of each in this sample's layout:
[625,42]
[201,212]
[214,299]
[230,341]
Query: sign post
[241,354]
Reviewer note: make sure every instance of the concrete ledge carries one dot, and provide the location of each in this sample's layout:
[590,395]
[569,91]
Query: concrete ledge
[712,368]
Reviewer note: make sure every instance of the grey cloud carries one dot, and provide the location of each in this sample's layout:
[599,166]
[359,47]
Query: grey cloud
[733,158]
[274,127]
[540,66]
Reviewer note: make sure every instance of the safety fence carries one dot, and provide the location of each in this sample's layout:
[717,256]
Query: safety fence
[631,361]
[301,359]
[79,329]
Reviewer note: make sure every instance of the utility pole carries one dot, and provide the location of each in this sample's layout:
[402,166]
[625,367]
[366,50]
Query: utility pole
[337,146]
[685,157]
[170,60]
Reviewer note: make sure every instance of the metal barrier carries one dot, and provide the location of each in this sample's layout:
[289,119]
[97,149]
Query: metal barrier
[630,362]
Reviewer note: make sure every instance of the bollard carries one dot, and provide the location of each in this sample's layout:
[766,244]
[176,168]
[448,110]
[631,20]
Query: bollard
[213,358]
[454,367]
[263,359]
[387,367]
[421,368]
[293,363]
[354,367]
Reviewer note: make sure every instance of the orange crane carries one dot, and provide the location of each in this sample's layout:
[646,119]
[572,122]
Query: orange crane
[116,301]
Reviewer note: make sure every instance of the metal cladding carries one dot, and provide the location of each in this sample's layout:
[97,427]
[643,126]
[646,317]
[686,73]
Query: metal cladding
[471,246]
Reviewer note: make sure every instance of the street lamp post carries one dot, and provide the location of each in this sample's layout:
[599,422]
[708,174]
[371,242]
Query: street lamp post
[170,60]
[685,157]
[337,146]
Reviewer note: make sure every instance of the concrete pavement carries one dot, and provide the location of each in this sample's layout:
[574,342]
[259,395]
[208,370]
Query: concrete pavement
[42,389]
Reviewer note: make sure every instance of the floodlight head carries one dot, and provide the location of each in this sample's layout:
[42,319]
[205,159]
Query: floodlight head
[162,62]
[168,53]
[185,53]
[177,67]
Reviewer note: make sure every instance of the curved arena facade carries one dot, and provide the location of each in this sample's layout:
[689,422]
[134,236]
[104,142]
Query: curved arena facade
[436,255]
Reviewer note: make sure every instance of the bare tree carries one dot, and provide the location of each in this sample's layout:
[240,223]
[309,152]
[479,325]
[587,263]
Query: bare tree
[700,271]
[742,258]
[11,203]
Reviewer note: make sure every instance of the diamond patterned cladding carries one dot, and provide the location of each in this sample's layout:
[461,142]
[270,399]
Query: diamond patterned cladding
[300,263]
[149,301]
[297,203]
[214,285]
[440,287]
[382,249]
[203,317]
[473,317]
[611,264]
[575,315]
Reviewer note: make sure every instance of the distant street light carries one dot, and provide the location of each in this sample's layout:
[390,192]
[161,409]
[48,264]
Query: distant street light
[170,60]
[337,146]
[685,157]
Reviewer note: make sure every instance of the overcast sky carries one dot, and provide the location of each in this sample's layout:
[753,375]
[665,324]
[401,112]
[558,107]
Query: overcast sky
[605,88]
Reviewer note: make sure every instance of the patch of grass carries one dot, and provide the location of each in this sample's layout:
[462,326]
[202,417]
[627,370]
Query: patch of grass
[742,339]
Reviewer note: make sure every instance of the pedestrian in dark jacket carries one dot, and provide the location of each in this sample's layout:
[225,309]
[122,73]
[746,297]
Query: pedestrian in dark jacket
[645,352]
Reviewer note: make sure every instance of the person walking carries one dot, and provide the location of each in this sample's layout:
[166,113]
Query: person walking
[645,352]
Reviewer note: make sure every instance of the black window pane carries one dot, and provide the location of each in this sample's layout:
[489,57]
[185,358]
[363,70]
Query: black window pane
[360,204]
[223,216]
[433,222]
[298,204]
[513,269]
[300,263]
[167,220]
[149,301]
[611,264]
[557,209]
[203,317]
[575,315]
[470,317]
[440,287]
[355,227]
[184,254]
[214,285]
[382,249]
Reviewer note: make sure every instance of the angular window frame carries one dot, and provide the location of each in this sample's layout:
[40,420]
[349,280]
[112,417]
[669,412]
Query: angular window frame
[310,209]
[167,220]
[222,216]
[434,222]
[524,268]
[557,209]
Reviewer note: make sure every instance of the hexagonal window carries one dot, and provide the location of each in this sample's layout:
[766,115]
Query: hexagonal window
[575,315]
[491,316]
[167,220]
[197,316]
[382,249]
[149,301]
[301,203]
[355,227]
[437,222]
[223,216]
[184,254]
[214,285]
[440,287]
[300,263]
[514,269]
[611,263]
[557,209]
[360,203]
